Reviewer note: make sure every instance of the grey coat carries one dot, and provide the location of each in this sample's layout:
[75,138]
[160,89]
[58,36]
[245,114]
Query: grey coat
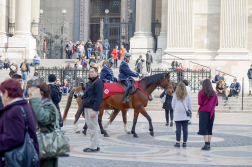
[139,65]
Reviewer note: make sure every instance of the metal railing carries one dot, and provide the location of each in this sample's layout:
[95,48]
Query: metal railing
[194,77]
[73,75]
[225,73]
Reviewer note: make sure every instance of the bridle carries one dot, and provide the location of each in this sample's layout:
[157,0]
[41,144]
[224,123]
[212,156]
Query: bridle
[168,86]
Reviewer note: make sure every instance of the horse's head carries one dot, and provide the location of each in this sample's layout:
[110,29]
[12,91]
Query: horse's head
[167,84]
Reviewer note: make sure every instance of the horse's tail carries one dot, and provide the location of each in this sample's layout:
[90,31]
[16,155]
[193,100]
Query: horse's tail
[69,101]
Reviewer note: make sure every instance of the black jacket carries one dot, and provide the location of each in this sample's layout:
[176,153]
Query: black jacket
[94,94]
[250,73]
[1,104]
[168,100]
[27,67]
[56,96]
[147,58]
[91,59]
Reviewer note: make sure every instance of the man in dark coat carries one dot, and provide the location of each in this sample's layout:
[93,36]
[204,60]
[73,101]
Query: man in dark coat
[107,75]
[139,64]
[149,60]
[235,88]
[56,94]
[174,64]
[250,78]
[168,107]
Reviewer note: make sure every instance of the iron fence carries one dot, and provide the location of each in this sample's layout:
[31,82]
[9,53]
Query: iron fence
[73,75]
[194,77]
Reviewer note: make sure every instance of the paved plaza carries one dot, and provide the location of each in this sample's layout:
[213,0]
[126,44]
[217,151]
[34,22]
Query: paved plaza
[231,143]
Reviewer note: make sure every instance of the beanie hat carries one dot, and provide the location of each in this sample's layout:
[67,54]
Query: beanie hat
[51,78]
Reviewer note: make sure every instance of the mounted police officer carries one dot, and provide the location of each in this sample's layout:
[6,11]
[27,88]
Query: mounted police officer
[125,76]
[107,75]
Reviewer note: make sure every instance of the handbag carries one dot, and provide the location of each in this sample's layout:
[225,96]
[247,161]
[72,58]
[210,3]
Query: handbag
[137,65]
[53,144]
[163,99]
[200,108]
[24,155]
[188,112]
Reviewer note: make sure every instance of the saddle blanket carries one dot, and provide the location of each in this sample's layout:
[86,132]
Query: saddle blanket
[113,88]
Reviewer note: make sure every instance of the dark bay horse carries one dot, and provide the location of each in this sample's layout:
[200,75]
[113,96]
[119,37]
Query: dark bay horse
[139,99]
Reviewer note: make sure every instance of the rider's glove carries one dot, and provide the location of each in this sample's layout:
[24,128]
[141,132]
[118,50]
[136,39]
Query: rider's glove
[140,75]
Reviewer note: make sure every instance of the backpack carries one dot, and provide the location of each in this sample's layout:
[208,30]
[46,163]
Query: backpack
[23,67]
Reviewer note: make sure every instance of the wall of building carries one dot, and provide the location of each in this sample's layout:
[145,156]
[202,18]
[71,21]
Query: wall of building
[53,11]
[250,26]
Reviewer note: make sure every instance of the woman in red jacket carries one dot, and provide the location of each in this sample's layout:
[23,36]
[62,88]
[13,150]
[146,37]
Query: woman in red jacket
[115,53]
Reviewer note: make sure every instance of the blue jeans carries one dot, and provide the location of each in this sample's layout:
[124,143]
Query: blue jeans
[105,52]
[127,83]
[25,94]
[66,90]
[24,77]
[89,50]
[184,125]
[250,84]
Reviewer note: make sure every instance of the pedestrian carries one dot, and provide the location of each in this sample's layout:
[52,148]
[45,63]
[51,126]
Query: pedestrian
[149,60]
[69,49]
[80,50]
[92,103]
[235,88]
[217,78]
[188,89]
[181,104]
[6,63]
[106,48]
[180,72]
[139,64]
[1,63]
[68,66]
[36,61]
[250,78]
[223,77]
[66,87]
[12,121]
[207,100]
[92,60]
[168,107]
[56,94]
[84,62]
[122,51]
[127,46]
[13,68]
[89,48]
[25,70]
[174,64]
[45,111]
[114,54]
[18,78]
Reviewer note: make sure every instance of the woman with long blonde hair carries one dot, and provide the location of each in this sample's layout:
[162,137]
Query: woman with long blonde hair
[181,102]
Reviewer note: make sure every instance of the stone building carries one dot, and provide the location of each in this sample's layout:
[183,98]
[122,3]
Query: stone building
[213,33]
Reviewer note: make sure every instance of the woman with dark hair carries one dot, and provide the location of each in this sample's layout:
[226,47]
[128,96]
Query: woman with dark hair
[167,106]
[12,123]
[207,100]
[45,111]
[181,103]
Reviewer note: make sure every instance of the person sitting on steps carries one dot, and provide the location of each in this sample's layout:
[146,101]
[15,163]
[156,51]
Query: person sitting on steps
[125,76]
[235,88]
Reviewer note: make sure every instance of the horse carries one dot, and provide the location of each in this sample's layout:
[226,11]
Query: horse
[139,99]
[79,101]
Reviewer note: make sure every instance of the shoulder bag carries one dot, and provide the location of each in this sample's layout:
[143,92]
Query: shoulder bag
[137,65]
[163,98]
[53,144]
[188,112]
[24,155]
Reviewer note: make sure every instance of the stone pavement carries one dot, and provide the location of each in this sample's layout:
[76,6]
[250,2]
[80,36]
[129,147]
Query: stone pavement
[231,144]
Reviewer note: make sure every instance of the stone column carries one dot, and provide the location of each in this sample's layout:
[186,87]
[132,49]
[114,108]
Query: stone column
[180,28]
[234,29]
[84,20]
[23,18]
[142,36]
[162,39]
[3,22]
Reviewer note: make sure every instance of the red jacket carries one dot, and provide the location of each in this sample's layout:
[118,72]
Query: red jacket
[115,54]
[180,71]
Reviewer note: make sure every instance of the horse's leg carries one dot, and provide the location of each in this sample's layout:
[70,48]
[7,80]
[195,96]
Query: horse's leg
[124,116]
[100,120]
[112,117]
[136,113]
[144,113]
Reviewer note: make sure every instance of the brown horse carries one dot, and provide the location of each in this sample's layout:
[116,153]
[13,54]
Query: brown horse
[79,101]
[139,99]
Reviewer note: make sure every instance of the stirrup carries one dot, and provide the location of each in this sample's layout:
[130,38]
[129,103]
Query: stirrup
[126,100]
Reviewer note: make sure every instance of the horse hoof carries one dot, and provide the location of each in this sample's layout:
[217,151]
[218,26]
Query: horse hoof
[106,135]
[135,135]
[84,133]
[152,133]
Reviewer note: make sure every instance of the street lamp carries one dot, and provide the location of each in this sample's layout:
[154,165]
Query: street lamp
[41,11]
[41,15]
[106,11]
[130,11]
[64,14]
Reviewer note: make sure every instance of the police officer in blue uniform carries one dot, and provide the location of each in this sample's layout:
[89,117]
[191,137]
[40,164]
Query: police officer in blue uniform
[125,76]
[107,75]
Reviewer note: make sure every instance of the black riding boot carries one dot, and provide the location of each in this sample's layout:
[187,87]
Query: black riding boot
[125,98]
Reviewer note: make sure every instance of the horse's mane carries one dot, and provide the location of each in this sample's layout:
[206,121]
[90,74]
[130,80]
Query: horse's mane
[153,79]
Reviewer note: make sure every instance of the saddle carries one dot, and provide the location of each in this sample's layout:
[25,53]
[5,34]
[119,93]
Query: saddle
[132,90]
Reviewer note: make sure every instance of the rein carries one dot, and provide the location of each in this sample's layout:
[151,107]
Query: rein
[166,82]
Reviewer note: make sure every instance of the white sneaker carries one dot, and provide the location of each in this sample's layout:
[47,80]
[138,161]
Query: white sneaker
[127,113]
